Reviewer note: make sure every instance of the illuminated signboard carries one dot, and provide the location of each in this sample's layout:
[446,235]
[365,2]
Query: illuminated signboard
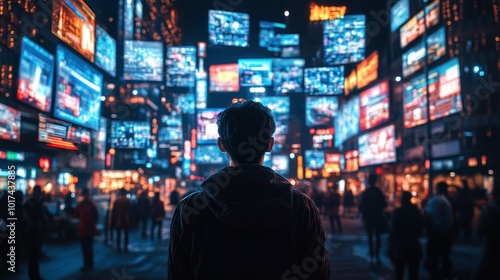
[320,110]
[74,23]
[347,121]
[415,102]
[332,162]
[10,123]
[228,28]
[201,92]
[202,49]
[436,45]
[61,134]
[414,59]
[415,26]
[322,138]
[344,40]
[351,161]
[377,147]
[288,75]
[444,89]
[400,13]
[315,159]
[181,66]
[367,70]
[374,106]
[351,82]
[268,36]
[105,56]
[224,78]
[324,80]
[321,13]
[130,134]
[207,130]
[143,61]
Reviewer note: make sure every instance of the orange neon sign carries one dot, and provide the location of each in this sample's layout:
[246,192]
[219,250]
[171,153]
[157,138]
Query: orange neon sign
[320,13]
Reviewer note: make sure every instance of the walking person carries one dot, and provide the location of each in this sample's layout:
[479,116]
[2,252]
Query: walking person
[372,206]
[332,208]
[438,217]
[86,211]
[35,220]
[465,210]
[157,215]
[488,227]
[143,204]
[404,246]
[121,218]
[348,202]
[248,222]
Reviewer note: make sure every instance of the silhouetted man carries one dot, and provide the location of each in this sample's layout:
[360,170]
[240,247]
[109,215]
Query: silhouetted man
[35,220]
[86,211]
[247,222]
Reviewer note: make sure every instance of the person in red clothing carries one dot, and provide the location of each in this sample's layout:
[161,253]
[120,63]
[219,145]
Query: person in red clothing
[157,215]
[86,211]
[121,218]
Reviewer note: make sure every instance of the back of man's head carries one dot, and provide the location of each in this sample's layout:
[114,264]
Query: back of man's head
[372,179]
[442,187]
[245,130]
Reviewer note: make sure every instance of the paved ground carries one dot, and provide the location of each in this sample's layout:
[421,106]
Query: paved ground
[147,259]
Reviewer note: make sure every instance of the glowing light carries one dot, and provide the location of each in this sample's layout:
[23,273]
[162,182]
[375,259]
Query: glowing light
[287,13]
[292,155]
[397,79]
[320,13]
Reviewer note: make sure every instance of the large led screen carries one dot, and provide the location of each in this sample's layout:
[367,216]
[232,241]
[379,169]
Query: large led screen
[268,35]
[414,59]
[181,66]
[314,159]
[290,51]
[324,80]
[289,40]
[10,123]
[374,106]
[143,61]
[344,40]
[78,90]
[74,23]
[436,45]
[224,78]
[400,13]
[415,26]
[415,102]
[288,75]
[184,103]
[320,110]
[105,56]
[130,135]
[255,72]
[377,147]
[444,89]
[209,154]
[347,121]
[56,133]
[36,71]
[170,131]
[207,130]
[228,28]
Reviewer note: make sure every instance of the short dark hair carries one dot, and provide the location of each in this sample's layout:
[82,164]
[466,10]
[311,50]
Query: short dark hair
[372,179]
[406,197]
[442,187]
[37,189]
[245,129]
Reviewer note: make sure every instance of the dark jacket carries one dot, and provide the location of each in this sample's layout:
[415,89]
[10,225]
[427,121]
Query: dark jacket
[489,228]
[372,205]
[247,223]
[406,227]
[121,212]
[86,211]
[157,210]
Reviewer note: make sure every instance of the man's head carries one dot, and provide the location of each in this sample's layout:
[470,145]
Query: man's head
[442,187]
[245,131]
[85,193]
[406,198]
[372,179]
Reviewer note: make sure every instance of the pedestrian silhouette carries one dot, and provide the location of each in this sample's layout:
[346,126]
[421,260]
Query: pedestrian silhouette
[157,215]
[371,206]
[465,210]
[86,212]
[348,202]
[121,218]
[332,209]
[144,208]
[404,246]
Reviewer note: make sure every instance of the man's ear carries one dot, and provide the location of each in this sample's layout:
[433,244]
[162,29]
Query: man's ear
[221,146]
[270,146]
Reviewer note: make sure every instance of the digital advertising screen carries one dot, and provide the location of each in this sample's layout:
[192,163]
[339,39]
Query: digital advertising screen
[207,125]
[436,44]
[320,110]
[10,123]
[280,164]
[209,154]
[415,102]
[61,134]
[414,59]
[289,40]
[290,51]
[347,121]
[255,72]
[74,23]
[201,93]
[228,28]
[78,90]
[169,135]
[415,26]
[400,13]
[105,55]
[130,134]
[184,103]
[324,80]
[344,40]
[374,106]
[377,147]
[36,72]
[351,82]
[99,140]
[224,78]
[367,70]
[268,35]
[314,159]
[445,89]
[322,138]
[288,75]
[143,61]
[181,66]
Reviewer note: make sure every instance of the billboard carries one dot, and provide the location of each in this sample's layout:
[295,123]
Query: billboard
[143,61]
[320,110]
[377,147]
[374,106]
[344,40]
[436,45]
[288,75]
[445,89]
[414,59]
[347,121]
[10,123]
[415,102]
[105,55]
[224,78]
[400,13]
[367,70]
[324,80]
[415,26]
[228,28]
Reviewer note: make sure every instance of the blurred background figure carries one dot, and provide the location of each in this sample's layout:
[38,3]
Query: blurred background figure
[332,209]
[404,246]
[109,223]
[348,202]
[121,218]
[465,210]
[157,215]
[144,208]
[86,212]
[174,197]
[489,228]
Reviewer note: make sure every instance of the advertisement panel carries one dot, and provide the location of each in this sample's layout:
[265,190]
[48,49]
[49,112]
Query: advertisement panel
[377,147]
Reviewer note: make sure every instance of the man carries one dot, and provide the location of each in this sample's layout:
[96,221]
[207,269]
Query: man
[157,215]
[35,219]
[121,218]
[86,211]
[247,222]
[439,221]
[371,206]
[332,207]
